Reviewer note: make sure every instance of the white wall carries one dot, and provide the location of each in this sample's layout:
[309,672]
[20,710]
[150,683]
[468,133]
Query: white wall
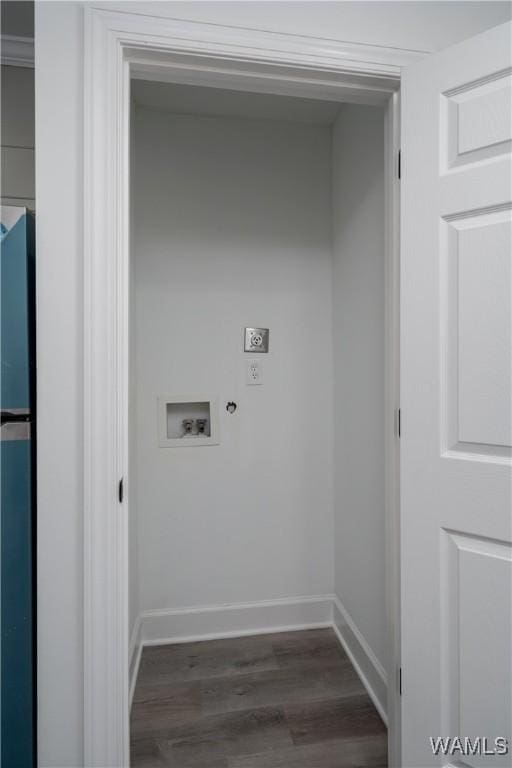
[427,25]
[59,264]
[232,229]
[358,288]
[133,560]
[59,135]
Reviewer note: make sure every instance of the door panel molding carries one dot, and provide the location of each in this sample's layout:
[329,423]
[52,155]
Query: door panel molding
[456,357]
[467,137]
[475,572]
[475,279]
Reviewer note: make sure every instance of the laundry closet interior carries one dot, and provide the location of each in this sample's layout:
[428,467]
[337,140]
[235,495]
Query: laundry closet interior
[257,399]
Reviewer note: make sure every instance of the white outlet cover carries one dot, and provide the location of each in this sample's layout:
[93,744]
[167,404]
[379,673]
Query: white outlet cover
[254,373]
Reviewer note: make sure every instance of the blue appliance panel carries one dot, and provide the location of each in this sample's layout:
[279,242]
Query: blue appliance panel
[17,390]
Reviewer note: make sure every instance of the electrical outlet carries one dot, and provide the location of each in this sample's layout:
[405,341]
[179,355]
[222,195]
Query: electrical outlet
[254,373]
[256,340]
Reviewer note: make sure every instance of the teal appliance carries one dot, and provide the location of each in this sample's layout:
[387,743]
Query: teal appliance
[17,467]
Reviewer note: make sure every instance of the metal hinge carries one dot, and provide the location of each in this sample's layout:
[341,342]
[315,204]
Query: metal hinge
[15,424]
[399,163]
[120,490]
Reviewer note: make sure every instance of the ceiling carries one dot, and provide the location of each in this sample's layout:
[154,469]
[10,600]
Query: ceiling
[200,100]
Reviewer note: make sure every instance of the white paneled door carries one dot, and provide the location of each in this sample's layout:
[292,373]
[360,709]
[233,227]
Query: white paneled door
[456,405]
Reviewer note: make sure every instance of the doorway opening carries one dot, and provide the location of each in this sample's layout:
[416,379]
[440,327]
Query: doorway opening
[262,484]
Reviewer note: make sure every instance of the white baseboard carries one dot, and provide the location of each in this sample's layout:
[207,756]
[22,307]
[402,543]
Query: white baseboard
[368,667]
[134,656]
[211,622]
[235,619]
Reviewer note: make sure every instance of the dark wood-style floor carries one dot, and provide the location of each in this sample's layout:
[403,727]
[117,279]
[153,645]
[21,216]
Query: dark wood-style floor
[288,700]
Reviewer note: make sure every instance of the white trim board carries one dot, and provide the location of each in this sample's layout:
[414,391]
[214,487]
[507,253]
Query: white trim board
[17,51]
[231,44]
[368,667]
[215,622]
[234,620]
[134,655]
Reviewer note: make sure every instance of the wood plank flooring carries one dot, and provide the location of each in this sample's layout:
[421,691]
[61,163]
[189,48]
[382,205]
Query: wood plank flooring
[288,700]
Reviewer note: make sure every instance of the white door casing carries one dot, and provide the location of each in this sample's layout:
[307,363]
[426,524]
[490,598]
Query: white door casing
[119,45]
[456,394]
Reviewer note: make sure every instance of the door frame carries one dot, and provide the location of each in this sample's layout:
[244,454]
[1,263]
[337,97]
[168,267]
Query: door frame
[119,46]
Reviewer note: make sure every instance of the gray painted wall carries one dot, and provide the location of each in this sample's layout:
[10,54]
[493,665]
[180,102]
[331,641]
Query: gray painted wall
[232,228]
[358,343]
